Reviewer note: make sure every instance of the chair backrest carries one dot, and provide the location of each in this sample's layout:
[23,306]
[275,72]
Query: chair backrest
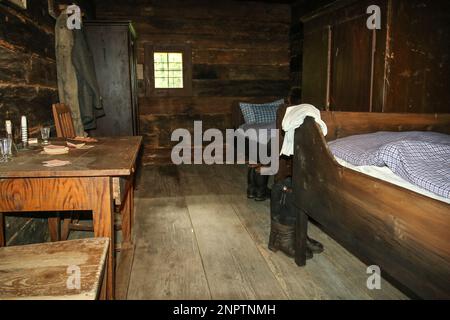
[63,121]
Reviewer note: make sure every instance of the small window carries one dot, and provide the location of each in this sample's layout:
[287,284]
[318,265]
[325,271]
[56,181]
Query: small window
[168,70]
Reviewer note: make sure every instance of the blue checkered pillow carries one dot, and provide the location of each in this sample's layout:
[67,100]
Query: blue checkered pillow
[260,113]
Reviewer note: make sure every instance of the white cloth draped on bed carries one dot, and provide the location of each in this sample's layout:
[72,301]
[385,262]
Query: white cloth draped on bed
[294,118]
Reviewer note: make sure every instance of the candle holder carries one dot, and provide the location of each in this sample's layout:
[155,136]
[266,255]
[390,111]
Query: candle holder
[24,131]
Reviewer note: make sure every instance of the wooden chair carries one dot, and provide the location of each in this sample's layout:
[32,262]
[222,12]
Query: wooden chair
[64,129]
[63,121]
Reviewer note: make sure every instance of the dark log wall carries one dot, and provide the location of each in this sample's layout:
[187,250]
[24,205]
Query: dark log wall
[240,51]
[27,87]
[27,64]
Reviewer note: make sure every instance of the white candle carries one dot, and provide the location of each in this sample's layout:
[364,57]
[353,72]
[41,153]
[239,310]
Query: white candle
[8,127]
[23,123]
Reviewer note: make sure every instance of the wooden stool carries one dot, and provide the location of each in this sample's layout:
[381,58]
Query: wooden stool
[71,270]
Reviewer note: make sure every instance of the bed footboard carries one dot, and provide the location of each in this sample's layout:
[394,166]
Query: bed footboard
[406,234]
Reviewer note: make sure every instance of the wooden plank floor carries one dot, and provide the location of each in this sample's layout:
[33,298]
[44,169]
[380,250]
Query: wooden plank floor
[197,236]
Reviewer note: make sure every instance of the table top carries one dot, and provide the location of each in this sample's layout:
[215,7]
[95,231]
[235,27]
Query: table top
[42,271]
[111,156]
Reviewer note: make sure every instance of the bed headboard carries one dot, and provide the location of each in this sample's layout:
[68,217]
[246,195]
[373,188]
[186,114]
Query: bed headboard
[343,124]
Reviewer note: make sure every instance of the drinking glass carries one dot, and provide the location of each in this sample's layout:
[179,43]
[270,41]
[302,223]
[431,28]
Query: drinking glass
[6,144]
[45,133]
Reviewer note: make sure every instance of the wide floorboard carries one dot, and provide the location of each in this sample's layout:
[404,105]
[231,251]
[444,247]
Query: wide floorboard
[197,236]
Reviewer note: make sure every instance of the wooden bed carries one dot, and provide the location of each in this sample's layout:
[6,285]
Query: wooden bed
[406,234]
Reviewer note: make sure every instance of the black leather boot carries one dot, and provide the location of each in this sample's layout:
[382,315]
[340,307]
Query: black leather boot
[282,237]
[251,185]
[262,192]
[314,245]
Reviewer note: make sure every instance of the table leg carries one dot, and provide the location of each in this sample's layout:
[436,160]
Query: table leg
[131,208]
[66,228]
[127,217]
[2,230]
[300,238]
[102,293]
[103,218]
[54,228]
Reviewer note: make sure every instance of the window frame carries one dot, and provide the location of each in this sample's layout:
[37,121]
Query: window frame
[149,66]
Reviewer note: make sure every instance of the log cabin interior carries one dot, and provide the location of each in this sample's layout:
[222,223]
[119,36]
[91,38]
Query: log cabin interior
[118,180]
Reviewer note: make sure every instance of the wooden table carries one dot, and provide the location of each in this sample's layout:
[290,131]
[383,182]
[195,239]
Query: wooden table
[51,270]
[90,182]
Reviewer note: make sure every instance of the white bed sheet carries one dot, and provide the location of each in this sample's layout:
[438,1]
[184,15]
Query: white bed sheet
[384,173]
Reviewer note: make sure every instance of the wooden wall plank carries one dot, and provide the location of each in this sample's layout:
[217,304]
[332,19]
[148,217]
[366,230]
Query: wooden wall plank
[32,101]
[240,51]
[351,66]
[25,34]
[19,67]
[27,87]
[27,64]
[195,9]
[157,129]
[237,29]
[218,41]
[418,64]
[227,88]
[191,105]
[239,72]
[229,56]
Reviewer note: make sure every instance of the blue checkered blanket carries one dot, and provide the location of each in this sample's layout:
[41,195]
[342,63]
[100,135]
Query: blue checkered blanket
[422,158]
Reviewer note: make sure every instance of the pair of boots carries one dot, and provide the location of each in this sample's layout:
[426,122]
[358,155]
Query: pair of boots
[257,185]
[282,237]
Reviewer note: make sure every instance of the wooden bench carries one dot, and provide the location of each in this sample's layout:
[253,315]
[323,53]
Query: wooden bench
[52,270]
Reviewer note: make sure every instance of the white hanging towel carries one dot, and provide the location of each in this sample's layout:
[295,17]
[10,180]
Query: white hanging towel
[293,119]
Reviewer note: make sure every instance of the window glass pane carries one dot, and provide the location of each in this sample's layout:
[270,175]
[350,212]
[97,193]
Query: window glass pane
[175,66]
[168,70]
[161,74]
[175,83]
[176,74]
[178,82]
[161,83]
[175,57]
[161,66]
[171,85]
[160,56]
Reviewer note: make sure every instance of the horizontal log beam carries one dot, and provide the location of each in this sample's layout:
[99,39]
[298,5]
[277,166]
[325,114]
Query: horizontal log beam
[196,9]
[225,88]
[18,67]
[21,33]
[192,105]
